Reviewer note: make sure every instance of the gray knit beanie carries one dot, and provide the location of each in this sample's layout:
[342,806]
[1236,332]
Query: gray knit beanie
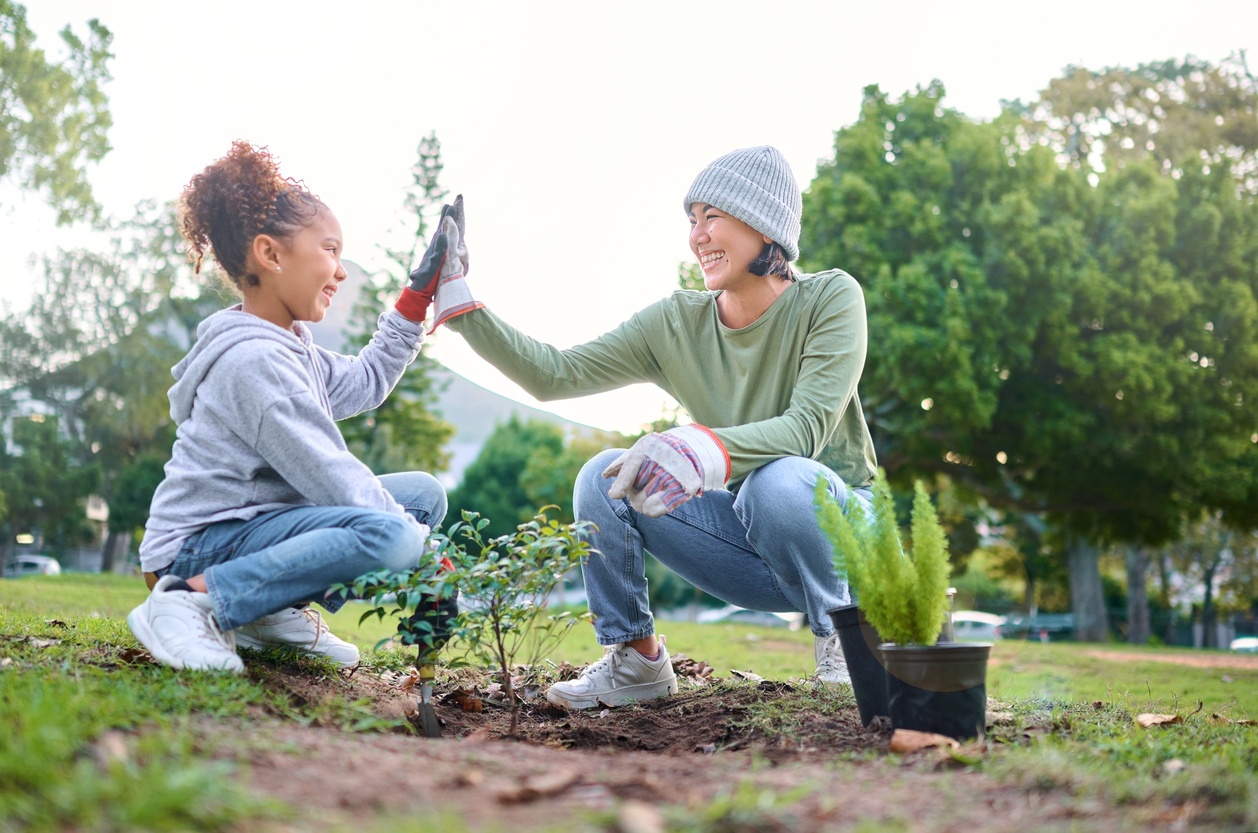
[756,186]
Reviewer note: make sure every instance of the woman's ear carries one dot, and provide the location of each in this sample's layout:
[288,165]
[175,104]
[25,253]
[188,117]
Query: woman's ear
[767,239]
[266,253]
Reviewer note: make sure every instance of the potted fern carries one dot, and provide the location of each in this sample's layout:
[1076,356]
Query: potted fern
[902,591]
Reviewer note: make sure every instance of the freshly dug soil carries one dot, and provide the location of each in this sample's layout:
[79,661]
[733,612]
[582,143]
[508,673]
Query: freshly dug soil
[707,758]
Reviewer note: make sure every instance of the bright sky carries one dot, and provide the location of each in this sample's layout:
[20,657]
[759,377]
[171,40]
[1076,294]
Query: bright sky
[572,128]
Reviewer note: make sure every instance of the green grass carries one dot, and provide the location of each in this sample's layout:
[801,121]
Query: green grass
[1058,671]
[96,742]
[1062,671]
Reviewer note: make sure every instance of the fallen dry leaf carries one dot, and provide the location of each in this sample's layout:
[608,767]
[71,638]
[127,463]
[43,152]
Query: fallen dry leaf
[468,701]
[110,748]
[639,817]
[1173,766]
[468,778]
[1147,720]
[134,655]
[533,787]
[1219,720]
[694,670]
[748,676]
[910,740]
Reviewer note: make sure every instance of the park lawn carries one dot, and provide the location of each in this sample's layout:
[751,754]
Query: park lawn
[98,738]
[1019,670]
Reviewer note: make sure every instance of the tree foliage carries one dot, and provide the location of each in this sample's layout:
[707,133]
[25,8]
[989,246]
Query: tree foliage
[496,485]
[1056,346]
[54,116]
[1179,113]
[96,346]
[404,432]
[45,484]
[1071,341]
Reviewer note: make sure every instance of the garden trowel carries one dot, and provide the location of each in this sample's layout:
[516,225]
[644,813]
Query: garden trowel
[439,612]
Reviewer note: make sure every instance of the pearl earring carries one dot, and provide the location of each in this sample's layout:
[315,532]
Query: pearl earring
[278,270]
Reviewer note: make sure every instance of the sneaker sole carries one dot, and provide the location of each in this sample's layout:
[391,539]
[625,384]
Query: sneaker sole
[138,623]
[622,696]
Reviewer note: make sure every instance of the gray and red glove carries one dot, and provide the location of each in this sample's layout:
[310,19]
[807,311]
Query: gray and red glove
[418,293]
[663,471]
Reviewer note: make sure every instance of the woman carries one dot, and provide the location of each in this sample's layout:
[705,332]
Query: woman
[263,508]
[766,362]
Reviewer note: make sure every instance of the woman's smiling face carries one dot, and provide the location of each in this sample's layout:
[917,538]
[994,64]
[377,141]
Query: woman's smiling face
[724,245]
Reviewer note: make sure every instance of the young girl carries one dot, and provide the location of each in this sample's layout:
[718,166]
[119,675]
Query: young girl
[263,508]
[767,363]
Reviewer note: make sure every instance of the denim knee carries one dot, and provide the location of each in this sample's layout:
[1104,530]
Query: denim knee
[396,543]
[421,495]
[590,489]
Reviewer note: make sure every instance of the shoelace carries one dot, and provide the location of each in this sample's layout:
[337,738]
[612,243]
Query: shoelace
[316,619]
[208,625]
[608,662]
[830,658]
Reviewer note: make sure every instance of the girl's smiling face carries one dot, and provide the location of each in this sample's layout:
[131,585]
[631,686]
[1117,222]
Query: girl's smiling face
[300,273]
[724,245]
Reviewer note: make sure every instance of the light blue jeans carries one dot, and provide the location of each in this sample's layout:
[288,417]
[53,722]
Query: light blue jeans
[292,556]
[760,548]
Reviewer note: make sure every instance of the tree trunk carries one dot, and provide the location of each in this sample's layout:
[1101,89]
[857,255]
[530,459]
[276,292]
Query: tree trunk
[1138,630]
[107,552]
[1209,630]
[1086,596]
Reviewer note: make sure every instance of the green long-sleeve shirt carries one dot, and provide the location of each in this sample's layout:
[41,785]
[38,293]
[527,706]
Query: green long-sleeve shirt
[783,386]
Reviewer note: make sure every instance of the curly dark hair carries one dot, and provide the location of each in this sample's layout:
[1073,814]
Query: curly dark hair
[234,200]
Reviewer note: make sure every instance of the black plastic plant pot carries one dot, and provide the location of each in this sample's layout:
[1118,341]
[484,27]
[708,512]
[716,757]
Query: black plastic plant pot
[860,648]
[938,688]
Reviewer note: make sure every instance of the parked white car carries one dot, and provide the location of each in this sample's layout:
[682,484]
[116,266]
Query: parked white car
[733,613]
[1244,644]
[31,565]
[976,626]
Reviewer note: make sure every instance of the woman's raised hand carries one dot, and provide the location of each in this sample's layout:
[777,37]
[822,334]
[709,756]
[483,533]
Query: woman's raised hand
[453,297]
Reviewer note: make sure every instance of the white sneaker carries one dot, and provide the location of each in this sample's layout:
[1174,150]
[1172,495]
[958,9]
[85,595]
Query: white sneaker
[301,628]
[622,676]
[831,664]
[178,627]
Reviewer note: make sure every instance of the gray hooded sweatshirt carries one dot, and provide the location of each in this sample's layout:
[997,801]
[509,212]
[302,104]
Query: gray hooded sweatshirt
[255,405]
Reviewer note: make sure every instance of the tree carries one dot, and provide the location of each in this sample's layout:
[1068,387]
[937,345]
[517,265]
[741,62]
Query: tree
[54,117]
[404,432]
[1049,338]
[97,344]
[549,478]
[1180,113]
[1221,560]
[45,485]
[495,484]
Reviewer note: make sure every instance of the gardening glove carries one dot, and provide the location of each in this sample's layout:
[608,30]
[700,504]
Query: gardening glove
[453,297]
[417,295]
[663,471]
